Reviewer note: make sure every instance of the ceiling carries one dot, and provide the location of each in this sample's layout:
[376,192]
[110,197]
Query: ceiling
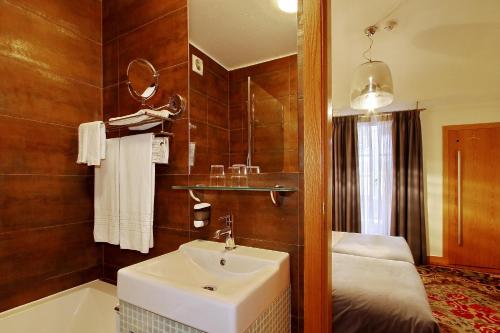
[445,51]
[238,33]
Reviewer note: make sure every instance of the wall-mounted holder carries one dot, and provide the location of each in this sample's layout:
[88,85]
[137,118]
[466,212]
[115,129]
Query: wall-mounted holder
[201,214]
[276,192]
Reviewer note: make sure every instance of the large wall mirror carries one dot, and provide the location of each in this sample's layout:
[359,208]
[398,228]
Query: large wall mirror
[243,84]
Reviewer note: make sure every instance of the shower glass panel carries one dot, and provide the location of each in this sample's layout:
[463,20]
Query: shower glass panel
[266,127]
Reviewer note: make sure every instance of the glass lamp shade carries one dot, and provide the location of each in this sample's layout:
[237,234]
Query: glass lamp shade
[371,87]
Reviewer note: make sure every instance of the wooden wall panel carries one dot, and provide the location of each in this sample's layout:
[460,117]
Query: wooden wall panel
[33,38]
[77,16]
[50,57]
[46,96]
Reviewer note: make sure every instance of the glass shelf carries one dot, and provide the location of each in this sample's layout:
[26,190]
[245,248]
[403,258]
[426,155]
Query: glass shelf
[229,188]
[276,192]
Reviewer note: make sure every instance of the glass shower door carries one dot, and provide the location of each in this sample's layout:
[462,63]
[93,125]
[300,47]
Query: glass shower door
[266,130]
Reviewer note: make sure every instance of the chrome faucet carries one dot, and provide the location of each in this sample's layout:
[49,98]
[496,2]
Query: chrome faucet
[227,231]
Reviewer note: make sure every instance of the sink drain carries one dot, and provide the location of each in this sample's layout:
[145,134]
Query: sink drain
[211,288]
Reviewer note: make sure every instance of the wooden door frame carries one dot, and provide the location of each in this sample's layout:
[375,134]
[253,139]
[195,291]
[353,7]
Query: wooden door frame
[446,260]
[317,167]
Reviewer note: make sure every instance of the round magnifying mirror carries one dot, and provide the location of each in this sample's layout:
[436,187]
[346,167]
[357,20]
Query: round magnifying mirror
[142,79]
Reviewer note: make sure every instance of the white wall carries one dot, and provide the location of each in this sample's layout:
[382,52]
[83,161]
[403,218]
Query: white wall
[433,119]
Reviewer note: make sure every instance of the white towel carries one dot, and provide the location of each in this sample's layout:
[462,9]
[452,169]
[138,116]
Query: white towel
[129,119]
[107,195]
[137,184]
[145,126]
[91,143]
[139,116]
[164,114]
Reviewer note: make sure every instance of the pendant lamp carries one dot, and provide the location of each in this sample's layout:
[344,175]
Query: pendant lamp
[371,87]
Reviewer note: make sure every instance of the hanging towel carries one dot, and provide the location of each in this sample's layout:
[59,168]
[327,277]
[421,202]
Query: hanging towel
[107,195]
[91,143]
[137,184]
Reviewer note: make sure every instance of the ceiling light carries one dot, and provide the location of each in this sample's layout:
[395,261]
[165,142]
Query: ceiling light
[288,6]
[371,87]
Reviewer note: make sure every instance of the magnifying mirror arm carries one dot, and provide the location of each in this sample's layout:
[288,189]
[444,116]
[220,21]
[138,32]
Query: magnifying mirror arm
[176,104]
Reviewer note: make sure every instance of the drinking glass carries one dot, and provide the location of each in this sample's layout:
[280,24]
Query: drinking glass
[253,170]
[239,175]
[217,176]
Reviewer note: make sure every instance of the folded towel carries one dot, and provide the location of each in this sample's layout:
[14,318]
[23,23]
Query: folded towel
[137,185]
[165,114]
[145,126]
[91,143]
[139,116]
[151,113]
[107,195]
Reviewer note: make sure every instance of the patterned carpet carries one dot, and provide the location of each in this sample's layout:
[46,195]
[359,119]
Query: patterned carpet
[463,300]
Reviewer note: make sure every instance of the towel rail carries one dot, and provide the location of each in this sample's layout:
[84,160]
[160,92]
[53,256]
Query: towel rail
[114,128]
[176,104]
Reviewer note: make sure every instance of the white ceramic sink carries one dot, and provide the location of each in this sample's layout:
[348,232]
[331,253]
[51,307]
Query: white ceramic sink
[172,285]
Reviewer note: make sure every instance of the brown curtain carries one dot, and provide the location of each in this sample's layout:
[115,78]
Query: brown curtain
[346,201]
[408,217]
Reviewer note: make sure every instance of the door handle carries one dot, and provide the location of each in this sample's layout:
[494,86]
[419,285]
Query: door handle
[459,197]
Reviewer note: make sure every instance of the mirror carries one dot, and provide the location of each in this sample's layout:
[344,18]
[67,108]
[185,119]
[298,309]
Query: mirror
[243,85]
[142,79]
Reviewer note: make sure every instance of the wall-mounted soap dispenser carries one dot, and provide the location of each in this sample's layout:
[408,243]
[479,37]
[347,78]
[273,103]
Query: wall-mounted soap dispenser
[201,214]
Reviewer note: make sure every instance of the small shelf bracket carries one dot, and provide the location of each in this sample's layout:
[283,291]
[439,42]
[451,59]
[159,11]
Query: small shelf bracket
[276,197]
[194,196]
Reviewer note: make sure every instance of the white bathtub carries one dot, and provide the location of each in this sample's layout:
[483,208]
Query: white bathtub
[88,308]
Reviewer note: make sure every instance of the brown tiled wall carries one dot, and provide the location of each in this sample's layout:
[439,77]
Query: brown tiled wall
[157,30]
[209,114]
[50,60]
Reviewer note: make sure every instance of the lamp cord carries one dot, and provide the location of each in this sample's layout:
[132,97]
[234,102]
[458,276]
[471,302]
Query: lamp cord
[369,49]
[370,31]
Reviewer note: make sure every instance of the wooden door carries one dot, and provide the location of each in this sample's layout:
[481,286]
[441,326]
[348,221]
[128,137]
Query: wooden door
[473,171]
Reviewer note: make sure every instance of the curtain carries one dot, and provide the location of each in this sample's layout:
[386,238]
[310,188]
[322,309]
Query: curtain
[346,207]
[375,174]
[408,218]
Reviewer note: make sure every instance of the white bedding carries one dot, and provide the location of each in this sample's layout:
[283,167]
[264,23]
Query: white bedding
[379,295]
[373,246]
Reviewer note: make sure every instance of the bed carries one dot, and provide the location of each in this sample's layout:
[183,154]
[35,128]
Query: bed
[377,287]
[374,246]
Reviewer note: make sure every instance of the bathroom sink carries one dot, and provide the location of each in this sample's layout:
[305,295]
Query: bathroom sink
[204,286]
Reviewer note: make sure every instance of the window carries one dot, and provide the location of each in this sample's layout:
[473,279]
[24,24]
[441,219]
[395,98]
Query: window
[375,174]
